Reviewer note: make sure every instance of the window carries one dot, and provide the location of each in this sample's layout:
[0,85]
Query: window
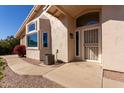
[32,40]
[45,39]
[31,27]
[88,19]
[77,43]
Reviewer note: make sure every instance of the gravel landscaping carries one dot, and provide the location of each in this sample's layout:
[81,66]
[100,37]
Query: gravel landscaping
[13,80]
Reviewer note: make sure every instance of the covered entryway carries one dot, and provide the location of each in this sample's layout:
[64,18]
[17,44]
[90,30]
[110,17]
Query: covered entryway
[73,18]
[88,37]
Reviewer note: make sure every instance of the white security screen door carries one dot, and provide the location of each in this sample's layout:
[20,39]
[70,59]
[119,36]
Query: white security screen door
[91,44]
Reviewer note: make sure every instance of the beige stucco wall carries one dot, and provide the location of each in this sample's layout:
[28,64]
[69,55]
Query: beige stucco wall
[23,41]
[71,41]
[33,54]
[113,37]
[59,36]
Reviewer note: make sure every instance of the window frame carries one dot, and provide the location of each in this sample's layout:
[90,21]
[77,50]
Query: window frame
[30,33]
[93,11]
[27,41]
[78,44]
[30,24]
[43,40]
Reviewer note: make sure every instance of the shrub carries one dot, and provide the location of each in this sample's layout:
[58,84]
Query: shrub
[20,50]
[7,45]
[2,68]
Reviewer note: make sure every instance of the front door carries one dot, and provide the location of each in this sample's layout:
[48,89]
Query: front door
[91,44]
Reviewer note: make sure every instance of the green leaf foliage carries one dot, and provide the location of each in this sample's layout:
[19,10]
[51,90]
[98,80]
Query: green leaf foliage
[7,45]
[2,68]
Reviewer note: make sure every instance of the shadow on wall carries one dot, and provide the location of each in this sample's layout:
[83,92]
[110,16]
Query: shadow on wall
[112,12]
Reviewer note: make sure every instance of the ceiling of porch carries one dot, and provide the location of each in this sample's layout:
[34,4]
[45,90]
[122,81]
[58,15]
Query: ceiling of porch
[76,10]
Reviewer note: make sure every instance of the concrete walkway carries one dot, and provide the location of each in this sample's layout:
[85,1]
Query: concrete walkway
[75,74]
[21,67]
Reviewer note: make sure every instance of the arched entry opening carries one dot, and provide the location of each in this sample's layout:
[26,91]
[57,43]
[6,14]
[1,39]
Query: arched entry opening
[88,47]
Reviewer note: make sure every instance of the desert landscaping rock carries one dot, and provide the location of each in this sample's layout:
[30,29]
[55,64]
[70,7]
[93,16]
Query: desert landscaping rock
[13,80]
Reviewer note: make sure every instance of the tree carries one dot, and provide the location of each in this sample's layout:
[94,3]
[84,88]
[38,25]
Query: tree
[7,45]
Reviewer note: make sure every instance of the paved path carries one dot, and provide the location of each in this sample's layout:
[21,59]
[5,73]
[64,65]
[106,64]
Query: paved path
[75,74]
[21,67]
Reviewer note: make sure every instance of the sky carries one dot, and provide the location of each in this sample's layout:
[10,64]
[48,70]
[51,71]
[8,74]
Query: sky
[11,18]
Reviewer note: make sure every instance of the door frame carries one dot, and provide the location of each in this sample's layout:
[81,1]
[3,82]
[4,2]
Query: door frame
[86,28]
[81,44]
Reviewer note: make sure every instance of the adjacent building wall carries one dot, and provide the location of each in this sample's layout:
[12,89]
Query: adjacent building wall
[59,36]
[113,38]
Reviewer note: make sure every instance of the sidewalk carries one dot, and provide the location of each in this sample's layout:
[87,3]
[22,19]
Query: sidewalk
[75,74]
[21,67]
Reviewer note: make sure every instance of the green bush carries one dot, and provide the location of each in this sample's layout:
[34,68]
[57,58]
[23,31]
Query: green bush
[7,45]
[2,68]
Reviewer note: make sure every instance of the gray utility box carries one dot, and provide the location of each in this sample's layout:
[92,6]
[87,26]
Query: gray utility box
[49,59]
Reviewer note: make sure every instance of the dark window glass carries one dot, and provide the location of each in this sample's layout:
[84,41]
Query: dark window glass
[88,19]
[77,43]
[32,40]
[31,27]
[45,40]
